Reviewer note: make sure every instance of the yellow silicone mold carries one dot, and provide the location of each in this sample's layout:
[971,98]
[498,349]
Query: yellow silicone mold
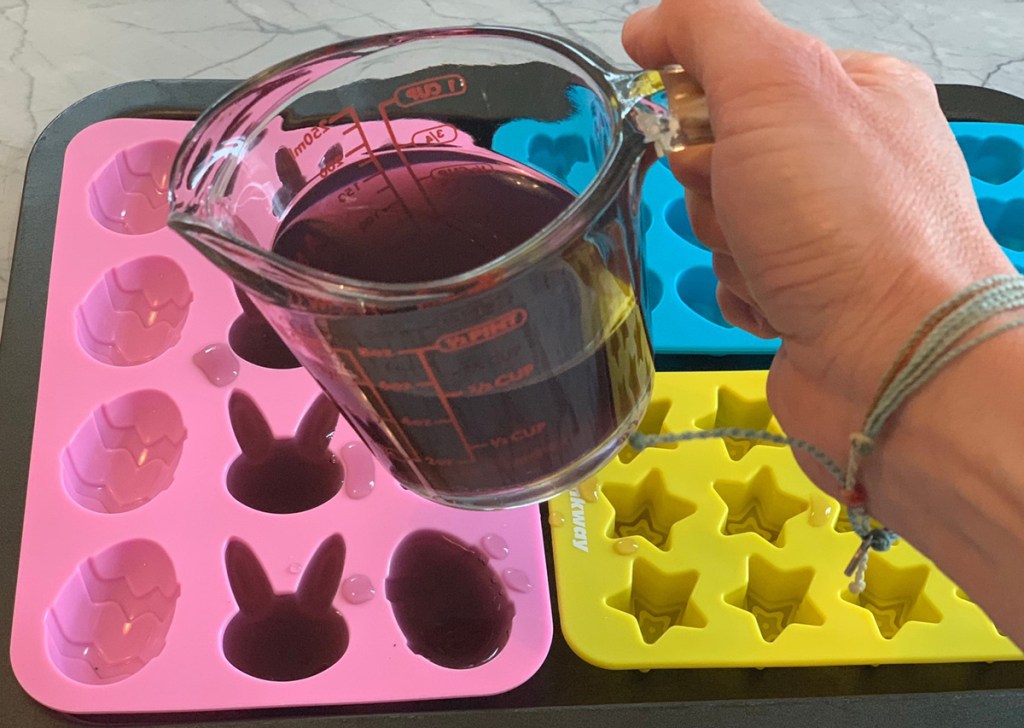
[723,554]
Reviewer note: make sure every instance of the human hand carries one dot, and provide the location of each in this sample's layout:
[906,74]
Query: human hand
[835,200]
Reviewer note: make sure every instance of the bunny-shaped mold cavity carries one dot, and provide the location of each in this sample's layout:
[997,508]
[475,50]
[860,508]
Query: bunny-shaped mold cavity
[255,340]
[285,637]
[450,605]
[286,475]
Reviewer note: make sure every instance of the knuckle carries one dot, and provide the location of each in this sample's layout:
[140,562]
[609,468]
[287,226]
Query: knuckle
[899,70]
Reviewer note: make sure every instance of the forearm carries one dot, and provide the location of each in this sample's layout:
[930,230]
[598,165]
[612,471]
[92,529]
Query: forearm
[949,476]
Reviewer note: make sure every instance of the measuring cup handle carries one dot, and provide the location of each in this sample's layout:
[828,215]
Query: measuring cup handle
[684,123]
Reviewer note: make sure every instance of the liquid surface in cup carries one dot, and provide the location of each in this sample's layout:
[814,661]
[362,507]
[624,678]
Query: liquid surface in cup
[481,395]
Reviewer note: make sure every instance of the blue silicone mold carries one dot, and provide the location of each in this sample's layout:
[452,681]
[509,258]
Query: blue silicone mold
[679,282]
[995,157]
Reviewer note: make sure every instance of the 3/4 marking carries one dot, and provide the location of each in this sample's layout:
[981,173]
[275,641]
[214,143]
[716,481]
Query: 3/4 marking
[440,134]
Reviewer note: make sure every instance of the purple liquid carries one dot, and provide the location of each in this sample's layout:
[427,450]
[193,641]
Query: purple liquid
[552,384]
[253,339]
[283,475]
[449,604]
[284,637]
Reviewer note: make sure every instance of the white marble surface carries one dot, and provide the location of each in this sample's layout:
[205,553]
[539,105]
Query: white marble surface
[54,52]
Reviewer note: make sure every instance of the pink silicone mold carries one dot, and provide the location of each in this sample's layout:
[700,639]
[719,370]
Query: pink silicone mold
[207,523]
[114,614]
[130,195]
[136,312]
[125,453]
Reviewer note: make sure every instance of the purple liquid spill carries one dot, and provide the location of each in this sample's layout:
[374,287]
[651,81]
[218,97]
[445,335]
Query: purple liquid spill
[517,580]
[218,363]
[358,464]
[494,546]
[358,589]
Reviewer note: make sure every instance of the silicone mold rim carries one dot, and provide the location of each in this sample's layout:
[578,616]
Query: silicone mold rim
[898,701]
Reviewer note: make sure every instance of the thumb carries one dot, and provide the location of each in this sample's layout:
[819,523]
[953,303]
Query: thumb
[732,47]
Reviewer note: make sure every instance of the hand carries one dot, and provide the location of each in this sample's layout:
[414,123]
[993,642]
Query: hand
[835,200]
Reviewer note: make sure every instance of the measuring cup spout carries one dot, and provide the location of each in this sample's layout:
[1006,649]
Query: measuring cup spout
[681,121]
[235,257]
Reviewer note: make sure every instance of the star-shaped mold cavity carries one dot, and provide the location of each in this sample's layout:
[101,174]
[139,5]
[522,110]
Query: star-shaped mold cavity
[776,598]
[758,506]
[735,411]
[653,423]
[647,510]
[895,596]
[659,601]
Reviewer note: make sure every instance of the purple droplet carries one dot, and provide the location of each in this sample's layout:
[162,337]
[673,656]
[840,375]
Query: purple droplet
[358,589]
[516,580]
[494,546]
[358,464]
[218,363]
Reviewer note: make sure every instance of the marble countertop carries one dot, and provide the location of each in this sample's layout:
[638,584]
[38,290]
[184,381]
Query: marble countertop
[55,52]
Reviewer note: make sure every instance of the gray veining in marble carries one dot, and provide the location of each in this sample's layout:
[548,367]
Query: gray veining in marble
[54,52]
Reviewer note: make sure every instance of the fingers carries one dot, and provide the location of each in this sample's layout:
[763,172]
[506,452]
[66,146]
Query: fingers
[729,276]
[704,222]
[692,167]
[731,46]
[742,315]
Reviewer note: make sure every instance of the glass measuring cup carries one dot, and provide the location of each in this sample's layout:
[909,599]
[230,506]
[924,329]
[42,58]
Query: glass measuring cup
[442,227]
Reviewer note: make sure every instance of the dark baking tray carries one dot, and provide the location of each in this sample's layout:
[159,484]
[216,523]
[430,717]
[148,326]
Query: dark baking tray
[566,691]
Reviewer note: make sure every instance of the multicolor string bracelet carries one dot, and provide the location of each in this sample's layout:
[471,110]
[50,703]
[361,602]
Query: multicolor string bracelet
[941,338]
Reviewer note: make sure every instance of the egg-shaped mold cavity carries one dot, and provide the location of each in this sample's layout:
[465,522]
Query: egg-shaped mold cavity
[449,603]
[678,220]
[113,615]
[135,312]
[696,288]
[1005,220]
[289,636]
[125,453]
[995,160]
[129,195]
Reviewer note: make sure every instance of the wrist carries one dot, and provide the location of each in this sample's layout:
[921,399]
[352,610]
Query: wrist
[946,475]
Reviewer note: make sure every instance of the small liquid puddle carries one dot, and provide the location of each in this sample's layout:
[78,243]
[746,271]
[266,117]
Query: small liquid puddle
[358,589]
[494,546]
[218,363]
